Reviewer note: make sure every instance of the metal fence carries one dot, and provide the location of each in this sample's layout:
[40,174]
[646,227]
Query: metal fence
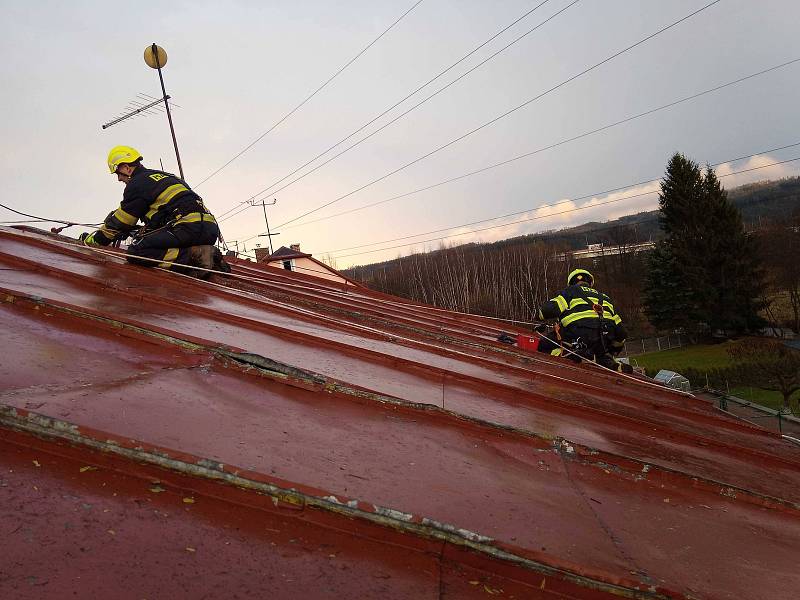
[787,424]
[654,344]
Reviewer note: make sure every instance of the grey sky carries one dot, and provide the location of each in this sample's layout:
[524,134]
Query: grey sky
[237,67]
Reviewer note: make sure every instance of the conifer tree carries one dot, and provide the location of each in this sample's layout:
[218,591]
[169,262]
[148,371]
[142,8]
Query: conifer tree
[704,275]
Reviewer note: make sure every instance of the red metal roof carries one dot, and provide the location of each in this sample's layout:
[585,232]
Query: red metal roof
[332,440]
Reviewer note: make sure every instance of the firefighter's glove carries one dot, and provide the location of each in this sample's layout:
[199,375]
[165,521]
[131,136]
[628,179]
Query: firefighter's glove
[87,239]
[541,328]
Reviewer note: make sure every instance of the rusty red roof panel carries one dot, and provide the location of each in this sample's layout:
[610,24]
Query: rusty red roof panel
[342,410]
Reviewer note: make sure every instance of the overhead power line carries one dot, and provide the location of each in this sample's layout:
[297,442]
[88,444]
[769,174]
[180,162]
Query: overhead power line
[311,95]
[505,114]
[397,118]
[549,147]
[238,209]
[615,225]
[539,217]
[554,145]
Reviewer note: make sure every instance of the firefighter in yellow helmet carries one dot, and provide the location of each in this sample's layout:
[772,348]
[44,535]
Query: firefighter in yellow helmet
[178,229]
[587,323]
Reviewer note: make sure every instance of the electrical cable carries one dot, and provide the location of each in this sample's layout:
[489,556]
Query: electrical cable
[551,146]
[365,125]
[310,96]
[239,208]
[566,232]
[615,225]
[45,220]
[546,216]
[21,222]
[569,200]
[505,114]
[608,191]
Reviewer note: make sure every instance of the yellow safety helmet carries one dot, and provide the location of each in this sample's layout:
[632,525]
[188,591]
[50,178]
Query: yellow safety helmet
[120,155]
[580,276]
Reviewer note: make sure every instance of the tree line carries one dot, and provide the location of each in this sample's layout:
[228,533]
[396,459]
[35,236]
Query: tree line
[511,281]
[709,273]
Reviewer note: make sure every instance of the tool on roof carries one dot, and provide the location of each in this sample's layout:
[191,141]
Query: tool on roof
[62,228]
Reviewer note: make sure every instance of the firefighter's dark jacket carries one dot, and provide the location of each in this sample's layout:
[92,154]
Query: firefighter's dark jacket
[574,309]
[157,199]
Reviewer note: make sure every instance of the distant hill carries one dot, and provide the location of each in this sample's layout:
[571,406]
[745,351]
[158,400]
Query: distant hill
[758,202]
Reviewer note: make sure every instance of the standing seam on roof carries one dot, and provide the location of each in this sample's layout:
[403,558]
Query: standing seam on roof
[603,525]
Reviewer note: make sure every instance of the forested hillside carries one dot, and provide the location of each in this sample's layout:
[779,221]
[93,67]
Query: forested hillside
[509,278]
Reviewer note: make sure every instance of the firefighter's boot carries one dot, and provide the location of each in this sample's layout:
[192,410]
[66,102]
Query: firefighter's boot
[219,262]
[202,257]
[626,368]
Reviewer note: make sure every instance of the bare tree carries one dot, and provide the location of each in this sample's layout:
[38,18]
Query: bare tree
[768,364]
[781,248]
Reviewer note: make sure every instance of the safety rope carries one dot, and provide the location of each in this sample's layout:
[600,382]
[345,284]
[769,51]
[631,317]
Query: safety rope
[123,256]
[567,350]
[619,373]
[469,314]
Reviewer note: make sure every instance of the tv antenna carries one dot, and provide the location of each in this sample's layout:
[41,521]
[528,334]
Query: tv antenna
[155,57]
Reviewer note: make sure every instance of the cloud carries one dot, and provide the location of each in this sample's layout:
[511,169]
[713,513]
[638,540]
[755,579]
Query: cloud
[555,215]
[568,213]
[729,180]
[565,213]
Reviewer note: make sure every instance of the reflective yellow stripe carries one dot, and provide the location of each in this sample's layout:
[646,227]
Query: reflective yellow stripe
[195,218]
[617,320]
[608,308]
[577,302]
[556,352]
[561,303]
[124,217]
[108,232]
[170,255]
[164,197]
[585,314]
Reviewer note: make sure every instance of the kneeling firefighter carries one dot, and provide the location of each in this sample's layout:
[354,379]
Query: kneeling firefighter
[587,323]
[178,229]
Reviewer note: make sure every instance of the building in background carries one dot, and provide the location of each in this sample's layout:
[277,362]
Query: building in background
[293,259]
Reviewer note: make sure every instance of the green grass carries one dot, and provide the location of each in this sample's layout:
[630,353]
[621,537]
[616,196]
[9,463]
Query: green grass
[773,400]
[701,356]
[706,356]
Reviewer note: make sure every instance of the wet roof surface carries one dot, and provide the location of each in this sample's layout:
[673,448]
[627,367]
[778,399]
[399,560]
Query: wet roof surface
[344,413]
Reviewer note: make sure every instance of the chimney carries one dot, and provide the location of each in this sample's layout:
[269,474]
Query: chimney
[262,254]
[295,247]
